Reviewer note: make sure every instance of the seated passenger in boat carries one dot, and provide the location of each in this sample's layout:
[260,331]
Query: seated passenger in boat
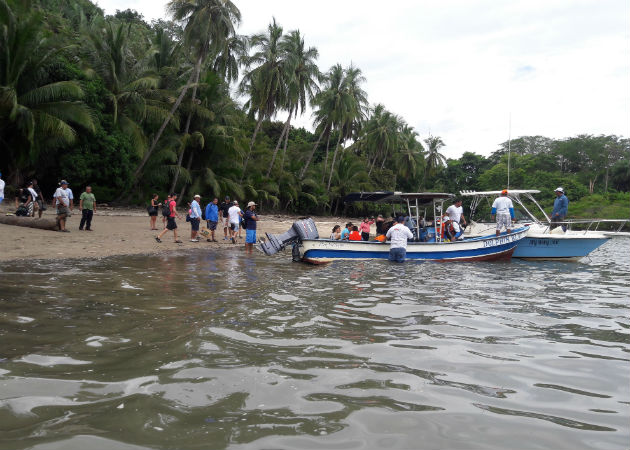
[336,233]
[345,234]
[355,235]
[452,231]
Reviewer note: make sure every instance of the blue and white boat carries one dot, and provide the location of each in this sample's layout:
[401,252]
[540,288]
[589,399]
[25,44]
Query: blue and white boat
[541,242]
[427,245]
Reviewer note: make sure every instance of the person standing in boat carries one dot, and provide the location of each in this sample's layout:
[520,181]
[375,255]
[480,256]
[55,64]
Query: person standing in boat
[456,212]
[560,210]
[503,209]
[398,235]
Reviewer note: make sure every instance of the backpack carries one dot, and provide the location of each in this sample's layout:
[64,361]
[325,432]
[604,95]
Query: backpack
[22,211]
[166,209]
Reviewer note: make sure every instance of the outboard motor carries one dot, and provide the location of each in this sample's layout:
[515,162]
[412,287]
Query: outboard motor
[301,229]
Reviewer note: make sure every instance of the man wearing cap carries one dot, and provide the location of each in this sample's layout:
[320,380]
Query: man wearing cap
[503,209]
[398,235]
[224,208]
[63,205]
[234,217]
[250,226]
[195,218]
[560,209]
[212,217]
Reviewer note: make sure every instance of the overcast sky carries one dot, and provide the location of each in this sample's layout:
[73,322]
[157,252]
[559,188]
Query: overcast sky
[460,69]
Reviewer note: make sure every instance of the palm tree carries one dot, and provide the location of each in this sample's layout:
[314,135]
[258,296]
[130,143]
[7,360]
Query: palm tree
[301,75]
[434,159]
[264,82]
[34,115]
[209,23]
[351,109]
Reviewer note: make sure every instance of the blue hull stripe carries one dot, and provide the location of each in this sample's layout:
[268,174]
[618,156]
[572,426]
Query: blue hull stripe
[384,254]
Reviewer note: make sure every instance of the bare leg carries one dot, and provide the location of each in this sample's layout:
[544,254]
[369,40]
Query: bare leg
[175,233]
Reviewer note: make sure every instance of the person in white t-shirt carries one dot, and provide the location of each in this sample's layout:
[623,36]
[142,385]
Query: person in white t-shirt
[62,201]
[456,212]
[503,209]
[398,234]
[2,184]
[234,217]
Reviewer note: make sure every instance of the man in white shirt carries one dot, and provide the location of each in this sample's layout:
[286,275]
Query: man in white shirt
[70,199]
[195,218]
[234,217]
[62,201]
[503,209]
[456,212]
[1,189]
[398,235]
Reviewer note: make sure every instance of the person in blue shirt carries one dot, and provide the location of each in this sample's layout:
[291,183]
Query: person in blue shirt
[212,217]
[195,218]
[250,222]
[560,210]
[345,233]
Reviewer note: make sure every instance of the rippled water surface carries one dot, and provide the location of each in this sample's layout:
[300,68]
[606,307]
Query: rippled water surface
[220,350]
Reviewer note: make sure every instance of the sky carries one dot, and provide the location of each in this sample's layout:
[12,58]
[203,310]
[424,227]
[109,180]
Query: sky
[473,72]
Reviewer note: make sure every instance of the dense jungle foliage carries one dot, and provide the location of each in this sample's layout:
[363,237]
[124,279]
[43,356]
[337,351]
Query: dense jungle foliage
[189,105]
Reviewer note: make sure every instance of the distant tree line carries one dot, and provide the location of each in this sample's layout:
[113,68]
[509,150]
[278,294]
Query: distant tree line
[189,105]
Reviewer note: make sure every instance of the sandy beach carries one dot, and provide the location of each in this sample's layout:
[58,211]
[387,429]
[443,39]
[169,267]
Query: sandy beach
[123,231]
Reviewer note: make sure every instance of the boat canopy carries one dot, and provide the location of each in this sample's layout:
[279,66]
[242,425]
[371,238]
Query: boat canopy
[390,197]
[488,193]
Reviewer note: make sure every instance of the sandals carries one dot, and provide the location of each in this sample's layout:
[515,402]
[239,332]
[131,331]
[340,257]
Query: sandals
[178,242]
[158,239]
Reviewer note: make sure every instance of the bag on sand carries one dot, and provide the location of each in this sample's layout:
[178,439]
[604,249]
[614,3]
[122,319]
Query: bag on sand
[22,211]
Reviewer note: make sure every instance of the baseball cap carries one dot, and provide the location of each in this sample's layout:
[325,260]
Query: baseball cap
[63,182]
[504,191]
[197,196]
[236,202]
[251,204]
[227,197]
[559,189]
[400,219]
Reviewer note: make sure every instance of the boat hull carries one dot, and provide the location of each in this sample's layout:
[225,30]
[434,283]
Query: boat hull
[540,244]
[549,247]
[490,248]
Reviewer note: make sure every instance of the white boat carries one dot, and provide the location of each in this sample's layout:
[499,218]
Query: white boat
[541,241]
[308,247]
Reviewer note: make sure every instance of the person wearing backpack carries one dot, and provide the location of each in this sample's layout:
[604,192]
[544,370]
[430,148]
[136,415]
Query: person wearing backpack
[166,210]
[170,221]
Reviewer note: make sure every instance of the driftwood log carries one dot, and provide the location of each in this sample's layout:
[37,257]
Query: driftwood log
[31,222]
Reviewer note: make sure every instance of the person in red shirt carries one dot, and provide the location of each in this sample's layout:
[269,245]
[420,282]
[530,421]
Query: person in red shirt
[354,234]
[170,220]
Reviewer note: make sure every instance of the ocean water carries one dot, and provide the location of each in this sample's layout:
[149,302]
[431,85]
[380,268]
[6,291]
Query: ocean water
[219,349]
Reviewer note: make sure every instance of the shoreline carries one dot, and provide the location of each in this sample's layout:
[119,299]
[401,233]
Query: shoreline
[120,231]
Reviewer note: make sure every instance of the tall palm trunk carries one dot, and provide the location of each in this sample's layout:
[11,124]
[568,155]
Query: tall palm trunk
[251,144]
[284,149]
[326,160]
[332,166]
[188,166]
[170,115]
[186,131]
[275,152]
[310,158]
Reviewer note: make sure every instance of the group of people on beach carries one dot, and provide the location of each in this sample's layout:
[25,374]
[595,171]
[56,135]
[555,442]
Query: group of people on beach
[29,200]
[228,214]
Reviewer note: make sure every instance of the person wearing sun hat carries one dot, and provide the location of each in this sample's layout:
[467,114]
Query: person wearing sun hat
[560,209]
[503,209]
[250,226]
[195,218]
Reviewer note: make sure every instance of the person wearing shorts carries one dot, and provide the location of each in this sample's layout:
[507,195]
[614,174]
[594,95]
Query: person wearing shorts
[63,205]
[171,225]
[250,225]
[234,216]
[503,209]
[212,217]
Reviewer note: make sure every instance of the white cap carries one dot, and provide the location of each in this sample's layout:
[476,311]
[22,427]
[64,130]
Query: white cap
[559,189]
[251,204]
[197,196]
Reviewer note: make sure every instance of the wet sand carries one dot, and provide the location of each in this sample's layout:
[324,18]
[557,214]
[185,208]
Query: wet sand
[124,231]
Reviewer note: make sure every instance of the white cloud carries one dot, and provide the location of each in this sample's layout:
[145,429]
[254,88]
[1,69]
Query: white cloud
[459,68]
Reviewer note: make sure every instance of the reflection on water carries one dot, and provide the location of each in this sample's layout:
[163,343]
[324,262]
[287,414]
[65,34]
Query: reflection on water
[220,350]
